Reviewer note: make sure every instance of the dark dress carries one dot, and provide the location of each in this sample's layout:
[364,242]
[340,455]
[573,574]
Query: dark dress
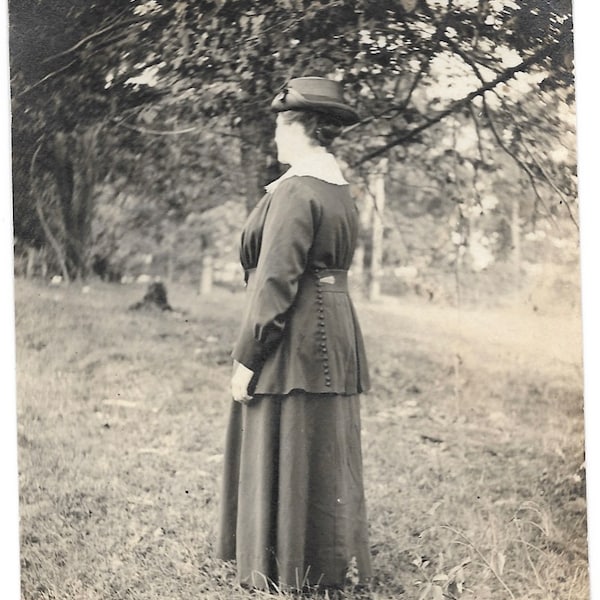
[293,510]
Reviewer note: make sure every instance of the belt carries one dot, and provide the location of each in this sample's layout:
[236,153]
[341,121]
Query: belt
[328,280]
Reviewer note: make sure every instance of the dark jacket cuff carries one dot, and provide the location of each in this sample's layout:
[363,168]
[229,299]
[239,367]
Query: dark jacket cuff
[250,353]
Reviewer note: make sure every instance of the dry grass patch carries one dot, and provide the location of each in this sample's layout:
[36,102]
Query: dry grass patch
[472,466]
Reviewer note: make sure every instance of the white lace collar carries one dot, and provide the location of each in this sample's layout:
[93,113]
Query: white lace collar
[321,165]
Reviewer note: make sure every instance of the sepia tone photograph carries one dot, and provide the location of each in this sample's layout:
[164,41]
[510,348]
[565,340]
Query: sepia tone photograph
[297,300]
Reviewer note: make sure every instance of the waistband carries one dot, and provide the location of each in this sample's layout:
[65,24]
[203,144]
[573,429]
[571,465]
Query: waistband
[329,280]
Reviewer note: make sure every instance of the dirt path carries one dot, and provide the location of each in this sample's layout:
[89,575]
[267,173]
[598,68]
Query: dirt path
[505,336]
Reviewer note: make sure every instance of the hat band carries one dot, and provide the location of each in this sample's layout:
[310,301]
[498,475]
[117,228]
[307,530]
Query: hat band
[292,99]
[296,100]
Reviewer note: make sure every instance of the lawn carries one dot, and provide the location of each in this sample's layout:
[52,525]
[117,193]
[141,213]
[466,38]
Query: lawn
[472,444]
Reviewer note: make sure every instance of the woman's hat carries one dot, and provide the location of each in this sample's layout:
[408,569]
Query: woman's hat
[317,94]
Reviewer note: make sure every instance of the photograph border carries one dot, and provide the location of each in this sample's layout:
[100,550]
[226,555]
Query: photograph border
[586,19]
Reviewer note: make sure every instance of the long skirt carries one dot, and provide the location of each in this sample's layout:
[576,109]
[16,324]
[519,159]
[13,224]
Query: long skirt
[293,509]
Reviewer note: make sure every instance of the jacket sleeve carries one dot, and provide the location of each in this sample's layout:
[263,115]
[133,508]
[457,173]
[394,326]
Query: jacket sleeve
[288,235]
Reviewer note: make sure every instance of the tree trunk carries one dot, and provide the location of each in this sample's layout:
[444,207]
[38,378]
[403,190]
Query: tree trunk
[74,169]
[377,190]
[170,266]
[206,279]
[358,267]
[30,268]
[43,254]
[259,164]
[515,229]
[58,250]
[362,255]
[83,201]
[63,172]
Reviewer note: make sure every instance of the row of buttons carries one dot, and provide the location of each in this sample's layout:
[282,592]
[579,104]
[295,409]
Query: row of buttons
[321,333]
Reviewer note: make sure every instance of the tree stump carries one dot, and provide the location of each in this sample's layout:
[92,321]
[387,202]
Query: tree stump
[155,298]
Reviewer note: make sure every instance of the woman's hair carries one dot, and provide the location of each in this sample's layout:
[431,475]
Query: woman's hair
[321,128]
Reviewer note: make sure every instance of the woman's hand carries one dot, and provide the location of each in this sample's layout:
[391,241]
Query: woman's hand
[240,381]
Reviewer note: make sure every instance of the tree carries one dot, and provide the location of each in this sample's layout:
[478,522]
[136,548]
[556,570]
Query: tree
[60,108]
[168,68]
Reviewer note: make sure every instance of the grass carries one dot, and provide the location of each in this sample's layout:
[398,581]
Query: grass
[472,444]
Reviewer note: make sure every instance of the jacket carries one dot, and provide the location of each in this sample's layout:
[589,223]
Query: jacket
[299,329]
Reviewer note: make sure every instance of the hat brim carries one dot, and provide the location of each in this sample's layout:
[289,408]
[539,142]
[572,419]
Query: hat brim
[293,100]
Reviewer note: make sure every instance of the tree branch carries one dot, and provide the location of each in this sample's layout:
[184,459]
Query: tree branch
[467,59]
[425,61]
[481,155]
[42,218]
[535,58]
[471,62]
[94,35]
[80,44]
[45,78]
[169,132]
[520,163]
[553,186]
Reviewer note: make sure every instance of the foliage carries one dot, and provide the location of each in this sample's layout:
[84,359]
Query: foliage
[179,94]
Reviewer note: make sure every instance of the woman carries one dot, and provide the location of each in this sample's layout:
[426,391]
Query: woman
[293,511]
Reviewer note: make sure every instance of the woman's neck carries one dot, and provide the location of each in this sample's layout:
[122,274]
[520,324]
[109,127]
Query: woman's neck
[306,153]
